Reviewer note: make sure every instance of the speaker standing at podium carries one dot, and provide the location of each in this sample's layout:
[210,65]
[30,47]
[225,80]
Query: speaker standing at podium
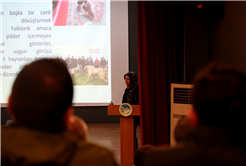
[131,95]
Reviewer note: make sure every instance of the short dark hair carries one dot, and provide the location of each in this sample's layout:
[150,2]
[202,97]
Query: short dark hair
[219,96]
[42,94]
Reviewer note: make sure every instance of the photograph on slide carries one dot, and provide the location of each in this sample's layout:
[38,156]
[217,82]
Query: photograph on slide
[79,12]
[85,64]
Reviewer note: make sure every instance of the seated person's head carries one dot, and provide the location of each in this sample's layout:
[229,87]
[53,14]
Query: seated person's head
[182,128]
[78,126]
[41,96]
[140,153]
[219,97]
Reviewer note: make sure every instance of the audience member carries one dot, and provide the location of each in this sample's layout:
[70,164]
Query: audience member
[182,128]
[78,126]
[218,137]
[140,154]
[40,107]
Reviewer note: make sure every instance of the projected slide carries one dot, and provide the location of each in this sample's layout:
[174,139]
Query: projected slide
[75,31]
[79,12]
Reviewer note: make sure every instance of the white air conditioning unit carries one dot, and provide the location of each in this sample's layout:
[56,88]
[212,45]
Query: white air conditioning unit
[181,103]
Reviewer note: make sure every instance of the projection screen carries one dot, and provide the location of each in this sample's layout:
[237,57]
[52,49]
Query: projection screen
[88,35]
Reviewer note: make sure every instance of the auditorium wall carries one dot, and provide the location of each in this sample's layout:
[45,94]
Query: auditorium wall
[216,32]
[230,37]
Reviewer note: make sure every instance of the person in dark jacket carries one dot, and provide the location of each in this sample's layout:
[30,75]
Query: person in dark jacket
[73,63]
[103,62]
[40,106]
[218,116]
[131,94]
[90,61]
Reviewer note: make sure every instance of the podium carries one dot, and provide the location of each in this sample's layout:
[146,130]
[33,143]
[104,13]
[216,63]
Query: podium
[127,133]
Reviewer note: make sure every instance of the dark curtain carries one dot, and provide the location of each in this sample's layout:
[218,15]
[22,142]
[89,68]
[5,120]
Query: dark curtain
[160,52]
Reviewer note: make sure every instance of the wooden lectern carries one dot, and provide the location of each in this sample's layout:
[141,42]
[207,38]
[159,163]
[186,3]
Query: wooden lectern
[127,133]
